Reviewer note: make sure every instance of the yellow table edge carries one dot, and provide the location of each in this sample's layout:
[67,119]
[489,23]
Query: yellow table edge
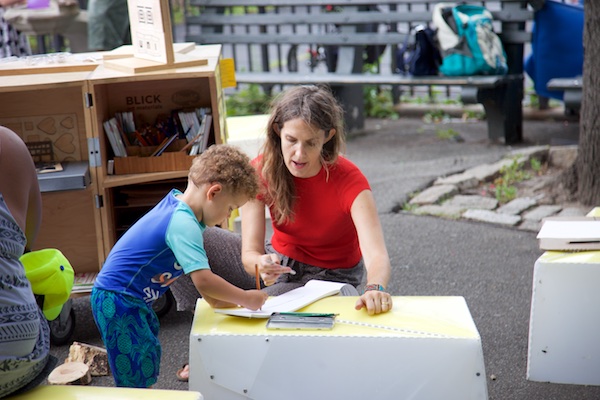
[411,317]
[74,392]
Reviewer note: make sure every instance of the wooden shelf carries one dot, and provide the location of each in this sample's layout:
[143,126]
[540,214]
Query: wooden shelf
[112,181]
[69,108]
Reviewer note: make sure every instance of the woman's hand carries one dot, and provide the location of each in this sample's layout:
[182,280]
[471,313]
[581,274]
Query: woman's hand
[375,301]
[270,269]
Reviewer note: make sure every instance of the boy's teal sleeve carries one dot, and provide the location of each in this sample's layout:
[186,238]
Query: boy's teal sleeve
[184,237]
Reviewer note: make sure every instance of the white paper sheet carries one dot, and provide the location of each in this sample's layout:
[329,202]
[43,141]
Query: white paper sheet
[290,301]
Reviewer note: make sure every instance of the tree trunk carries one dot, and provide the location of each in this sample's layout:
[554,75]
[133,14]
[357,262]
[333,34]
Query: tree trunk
[587,164]
[92,356]
[71,373]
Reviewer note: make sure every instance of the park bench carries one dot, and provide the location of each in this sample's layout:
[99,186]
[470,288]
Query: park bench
[572,92]
[266,38]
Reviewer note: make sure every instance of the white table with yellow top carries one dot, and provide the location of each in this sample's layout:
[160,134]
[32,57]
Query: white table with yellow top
[564,326]
[75,392]
[424,348]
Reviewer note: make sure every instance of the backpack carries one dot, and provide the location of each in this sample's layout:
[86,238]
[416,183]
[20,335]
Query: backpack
[421,57]
[468,42]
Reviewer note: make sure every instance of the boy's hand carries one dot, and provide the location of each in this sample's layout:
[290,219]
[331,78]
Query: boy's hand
[254,299]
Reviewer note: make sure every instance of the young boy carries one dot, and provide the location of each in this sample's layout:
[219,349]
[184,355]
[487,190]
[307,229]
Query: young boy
[164,244]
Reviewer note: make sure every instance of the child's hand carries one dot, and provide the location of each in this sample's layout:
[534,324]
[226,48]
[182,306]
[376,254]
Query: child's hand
[254,299]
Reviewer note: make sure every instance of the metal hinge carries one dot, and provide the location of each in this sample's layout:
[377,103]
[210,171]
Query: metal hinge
[89,102]
[94,152]
[99,201]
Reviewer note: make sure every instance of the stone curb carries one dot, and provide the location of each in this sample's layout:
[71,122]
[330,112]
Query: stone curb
[445,198]
[407,109]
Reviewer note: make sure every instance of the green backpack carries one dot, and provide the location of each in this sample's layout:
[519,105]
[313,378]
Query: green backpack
[468,41]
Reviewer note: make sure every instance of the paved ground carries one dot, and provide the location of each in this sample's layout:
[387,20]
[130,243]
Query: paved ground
[490,266]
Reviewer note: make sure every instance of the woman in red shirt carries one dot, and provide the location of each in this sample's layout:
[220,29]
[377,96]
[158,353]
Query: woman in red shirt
[325,223]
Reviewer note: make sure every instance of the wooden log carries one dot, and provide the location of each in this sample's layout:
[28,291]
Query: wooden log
[93,356]
[71,373]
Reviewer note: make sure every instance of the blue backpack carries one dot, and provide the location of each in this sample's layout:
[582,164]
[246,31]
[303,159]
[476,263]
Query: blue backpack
[468,41]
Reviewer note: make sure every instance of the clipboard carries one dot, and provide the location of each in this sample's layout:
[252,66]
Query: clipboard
[300,320]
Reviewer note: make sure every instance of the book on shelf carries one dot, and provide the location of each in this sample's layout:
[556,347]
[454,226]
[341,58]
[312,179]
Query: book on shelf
[163,146]
[570,234]
[207,123]
[199,143]
[293,300]
[111,128]
[127,121]
[193,125]
[188,123]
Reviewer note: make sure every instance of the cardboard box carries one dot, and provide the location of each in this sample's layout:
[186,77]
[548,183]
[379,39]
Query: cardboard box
[140,160]
[168,161]
[425,348]
[564,326]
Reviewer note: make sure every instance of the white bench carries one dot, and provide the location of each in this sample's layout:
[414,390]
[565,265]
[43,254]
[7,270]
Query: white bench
[63,392]
[425,348]
[572,91]
[564,326]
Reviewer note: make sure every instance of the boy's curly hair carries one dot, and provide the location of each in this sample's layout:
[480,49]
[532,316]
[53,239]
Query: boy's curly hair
[227,165]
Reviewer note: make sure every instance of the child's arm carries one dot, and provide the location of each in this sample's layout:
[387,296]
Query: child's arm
[214,303]
[220,293]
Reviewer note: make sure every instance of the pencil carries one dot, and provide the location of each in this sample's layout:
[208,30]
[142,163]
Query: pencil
[257,277]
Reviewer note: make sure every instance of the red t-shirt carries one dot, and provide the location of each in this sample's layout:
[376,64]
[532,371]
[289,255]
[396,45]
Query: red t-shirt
[323,233]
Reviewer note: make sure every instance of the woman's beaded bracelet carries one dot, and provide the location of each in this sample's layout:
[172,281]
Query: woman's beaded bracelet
[374,286]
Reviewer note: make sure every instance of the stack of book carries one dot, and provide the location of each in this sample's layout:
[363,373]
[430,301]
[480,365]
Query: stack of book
[570,234]
[197,125]
[193,126]
[115,137]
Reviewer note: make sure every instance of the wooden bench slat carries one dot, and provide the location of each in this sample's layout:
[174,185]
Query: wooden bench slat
[288,18]
[261,3]
[356,18]
[299,39]
[564,83]
[325,39]
[345,39]
[490,81]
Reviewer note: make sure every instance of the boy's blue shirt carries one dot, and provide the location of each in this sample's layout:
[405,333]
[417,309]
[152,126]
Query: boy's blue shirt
[161,246]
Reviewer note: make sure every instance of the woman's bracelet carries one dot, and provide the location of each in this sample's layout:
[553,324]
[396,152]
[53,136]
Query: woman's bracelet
[374,286]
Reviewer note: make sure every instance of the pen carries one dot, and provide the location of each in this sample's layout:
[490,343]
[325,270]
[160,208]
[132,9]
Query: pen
[257,277]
